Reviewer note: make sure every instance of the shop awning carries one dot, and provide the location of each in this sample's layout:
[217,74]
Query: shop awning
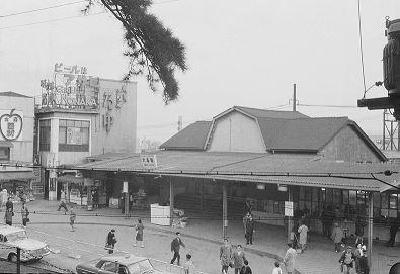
[16,176]
[68,178]
[6,144]
[303,170]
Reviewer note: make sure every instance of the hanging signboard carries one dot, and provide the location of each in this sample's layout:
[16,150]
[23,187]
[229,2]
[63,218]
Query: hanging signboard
[149,161]
[289,208]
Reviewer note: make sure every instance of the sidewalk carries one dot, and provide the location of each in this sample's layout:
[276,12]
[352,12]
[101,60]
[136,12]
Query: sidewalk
[270,241]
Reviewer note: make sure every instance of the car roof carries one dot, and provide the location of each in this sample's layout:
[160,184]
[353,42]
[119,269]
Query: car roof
[123,258]
[8,229]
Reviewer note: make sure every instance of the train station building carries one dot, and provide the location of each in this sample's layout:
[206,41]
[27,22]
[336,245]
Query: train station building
[265,158]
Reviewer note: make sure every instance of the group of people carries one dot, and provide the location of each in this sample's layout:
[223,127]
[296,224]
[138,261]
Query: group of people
[9,212]
[233,257]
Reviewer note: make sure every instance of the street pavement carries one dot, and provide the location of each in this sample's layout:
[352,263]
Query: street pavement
[87,242]
[202,237]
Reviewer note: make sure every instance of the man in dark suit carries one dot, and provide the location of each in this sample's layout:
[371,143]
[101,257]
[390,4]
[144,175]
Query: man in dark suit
[175,246]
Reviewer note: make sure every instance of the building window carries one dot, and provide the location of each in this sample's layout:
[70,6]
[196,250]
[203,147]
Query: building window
[44,134]
[4,153]
[74,135]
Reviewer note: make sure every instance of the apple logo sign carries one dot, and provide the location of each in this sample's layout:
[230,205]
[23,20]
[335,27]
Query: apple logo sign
[10,125]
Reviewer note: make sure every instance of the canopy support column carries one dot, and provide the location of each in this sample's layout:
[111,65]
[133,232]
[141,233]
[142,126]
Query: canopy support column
[171,200]
[225,210]
[370,229]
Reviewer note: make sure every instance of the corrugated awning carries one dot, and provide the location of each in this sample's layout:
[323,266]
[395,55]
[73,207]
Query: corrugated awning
[300,170]
[6,144]
[68,178]
[16,176]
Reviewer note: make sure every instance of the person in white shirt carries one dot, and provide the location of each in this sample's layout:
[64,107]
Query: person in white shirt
[303,230]
[277,269]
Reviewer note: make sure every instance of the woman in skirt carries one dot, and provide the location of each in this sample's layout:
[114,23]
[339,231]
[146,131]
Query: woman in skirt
[139,233]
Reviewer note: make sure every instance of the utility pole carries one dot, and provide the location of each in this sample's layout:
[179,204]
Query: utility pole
[294,97]
[179,122]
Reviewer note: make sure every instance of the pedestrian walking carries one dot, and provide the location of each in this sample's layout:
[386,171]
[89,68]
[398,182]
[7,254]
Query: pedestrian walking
[10,205]
[337,236]
[238,259]
[277,268]
[72,218]
[139,233]
[225,256]
[303,231]
[347,260]
[290,259]
[359,227]
[8,216]
[361,262]
[250,229]
[175,247]
[188,265]
[111,240]
[245,218]
[246,268]
[24,214]
[394,227]
[63,205]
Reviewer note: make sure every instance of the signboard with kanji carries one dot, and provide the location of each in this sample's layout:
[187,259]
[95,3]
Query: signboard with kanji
[289,208]
[149,161]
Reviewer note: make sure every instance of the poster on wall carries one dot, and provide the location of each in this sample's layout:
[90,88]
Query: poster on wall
[11,122]
[74,136]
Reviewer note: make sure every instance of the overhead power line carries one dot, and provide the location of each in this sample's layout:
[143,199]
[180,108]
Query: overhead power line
[52,20]
[328,106]
[41,9]
[361,44]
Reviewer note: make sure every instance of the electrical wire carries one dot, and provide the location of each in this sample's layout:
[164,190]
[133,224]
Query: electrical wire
[41,9]
[361,44]
[328,106]
[52,20]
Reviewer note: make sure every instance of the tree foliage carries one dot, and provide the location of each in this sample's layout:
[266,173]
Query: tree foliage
[153,50]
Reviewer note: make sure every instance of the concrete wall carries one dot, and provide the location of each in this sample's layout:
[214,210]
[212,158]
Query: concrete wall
[236,132]
[349,147]
[122,133]
[22,149]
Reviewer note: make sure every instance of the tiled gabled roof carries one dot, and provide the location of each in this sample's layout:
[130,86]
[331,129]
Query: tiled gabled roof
[192,137]
[303,134]
[13,94]
[282,131]
[266,113]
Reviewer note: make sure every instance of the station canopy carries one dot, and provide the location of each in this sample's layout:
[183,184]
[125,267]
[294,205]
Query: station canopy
[301,170]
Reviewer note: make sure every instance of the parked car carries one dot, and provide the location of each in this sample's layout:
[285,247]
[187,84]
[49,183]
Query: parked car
[119,263]
[12,237]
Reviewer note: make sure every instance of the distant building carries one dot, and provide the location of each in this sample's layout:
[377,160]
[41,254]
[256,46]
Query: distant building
[80,118]
[16,141]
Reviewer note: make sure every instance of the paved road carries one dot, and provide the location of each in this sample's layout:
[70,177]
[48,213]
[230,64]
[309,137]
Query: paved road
[87,243]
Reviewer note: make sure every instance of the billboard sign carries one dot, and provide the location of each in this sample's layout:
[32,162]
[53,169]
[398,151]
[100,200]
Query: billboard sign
[11,122]
[71,88]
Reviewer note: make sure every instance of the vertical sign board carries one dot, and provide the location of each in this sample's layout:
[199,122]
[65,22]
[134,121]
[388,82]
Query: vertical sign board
[125,188]
[288,208]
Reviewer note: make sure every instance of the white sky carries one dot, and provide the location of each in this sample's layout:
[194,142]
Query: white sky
[239,53]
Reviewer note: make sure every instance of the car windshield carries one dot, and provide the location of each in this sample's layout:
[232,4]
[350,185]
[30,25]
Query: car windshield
[143,266]
[21,235]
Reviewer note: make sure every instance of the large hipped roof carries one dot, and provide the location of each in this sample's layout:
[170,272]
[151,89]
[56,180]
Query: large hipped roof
[281,131]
